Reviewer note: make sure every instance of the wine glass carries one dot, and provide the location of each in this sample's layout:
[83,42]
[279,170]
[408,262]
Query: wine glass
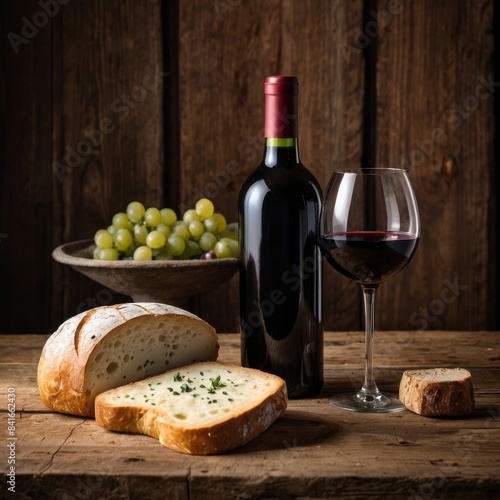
[370,228]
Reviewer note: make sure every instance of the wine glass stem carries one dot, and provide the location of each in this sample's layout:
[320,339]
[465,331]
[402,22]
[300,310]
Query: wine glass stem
[369,385]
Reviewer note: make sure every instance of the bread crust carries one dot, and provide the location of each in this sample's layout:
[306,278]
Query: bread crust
[438,392]
[219,438]
[62,368]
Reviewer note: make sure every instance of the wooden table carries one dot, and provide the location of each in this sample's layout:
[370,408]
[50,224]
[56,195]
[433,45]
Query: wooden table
[313,451]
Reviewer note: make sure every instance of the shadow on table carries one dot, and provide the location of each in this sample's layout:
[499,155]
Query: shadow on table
[293,430]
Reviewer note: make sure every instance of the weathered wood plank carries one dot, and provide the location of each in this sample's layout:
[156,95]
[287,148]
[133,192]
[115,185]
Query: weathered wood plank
[108,138]
[25,187]
[338,379]
[435,91]
[342,348]
[343,363]
[225,54]
[313,451]
[333,452]
[21,349]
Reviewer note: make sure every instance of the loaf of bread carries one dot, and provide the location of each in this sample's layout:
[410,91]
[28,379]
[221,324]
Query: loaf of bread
[200,409]
[110,346]
[438,392]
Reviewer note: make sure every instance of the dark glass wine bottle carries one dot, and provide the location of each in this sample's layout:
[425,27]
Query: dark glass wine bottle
[281,269]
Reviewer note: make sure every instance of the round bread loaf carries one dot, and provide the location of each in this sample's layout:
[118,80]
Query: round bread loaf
[111,346]
[438,392]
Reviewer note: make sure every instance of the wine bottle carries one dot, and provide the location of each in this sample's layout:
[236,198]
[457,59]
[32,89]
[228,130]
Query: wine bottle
[281,269]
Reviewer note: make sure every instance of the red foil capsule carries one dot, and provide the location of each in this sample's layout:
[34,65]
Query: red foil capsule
[281,107]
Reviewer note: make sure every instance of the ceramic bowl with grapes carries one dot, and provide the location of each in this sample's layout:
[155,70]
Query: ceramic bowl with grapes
[166,281]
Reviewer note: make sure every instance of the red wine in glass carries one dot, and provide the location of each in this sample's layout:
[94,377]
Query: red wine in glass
[369,257]
[370,228]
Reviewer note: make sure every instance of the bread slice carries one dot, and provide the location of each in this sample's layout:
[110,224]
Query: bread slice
[110,346]
[438,392]
[200,409]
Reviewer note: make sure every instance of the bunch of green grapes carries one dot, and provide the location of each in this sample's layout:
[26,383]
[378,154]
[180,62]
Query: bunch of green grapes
[154,234]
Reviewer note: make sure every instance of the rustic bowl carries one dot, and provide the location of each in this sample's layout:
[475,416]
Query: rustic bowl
[166,281]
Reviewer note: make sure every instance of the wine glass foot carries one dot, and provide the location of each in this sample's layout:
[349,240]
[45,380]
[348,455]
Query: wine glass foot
[368,403]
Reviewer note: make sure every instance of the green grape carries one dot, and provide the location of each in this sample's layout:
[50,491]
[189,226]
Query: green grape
[222,250]
[128,254]
[155,239]
[140,234]
[107,254]
[207,241]
[123,239]
[152,217]
[233,245]
[204,208]
[190,215]
[196,228]
[192,250]
[169,217]
[221,222]
[120,221]
[135,211]
[180,229]
[103,239]
[210,225]
[231,231]
[163,228]
[162,254]
[176,245]
[155,234]
[143,253]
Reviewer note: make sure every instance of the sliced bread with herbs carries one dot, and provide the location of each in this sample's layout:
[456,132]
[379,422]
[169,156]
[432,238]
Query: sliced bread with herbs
[200,409]
[110,346]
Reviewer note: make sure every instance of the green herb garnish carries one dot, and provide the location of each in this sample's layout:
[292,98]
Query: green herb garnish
[215,384]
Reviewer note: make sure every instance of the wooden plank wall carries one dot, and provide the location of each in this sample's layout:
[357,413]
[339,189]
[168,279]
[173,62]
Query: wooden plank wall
[382,83]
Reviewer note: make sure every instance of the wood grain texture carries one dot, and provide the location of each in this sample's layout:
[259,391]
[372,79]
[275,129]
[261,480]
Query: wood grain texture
[414,78]
[25,180]
[435,117]
[108,128]
[313,451]
[226,51]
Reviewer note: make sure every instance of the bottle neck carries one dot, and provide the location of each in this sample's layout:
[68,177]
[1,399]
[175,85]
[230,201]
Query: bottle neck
[280,121]
[282,151]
